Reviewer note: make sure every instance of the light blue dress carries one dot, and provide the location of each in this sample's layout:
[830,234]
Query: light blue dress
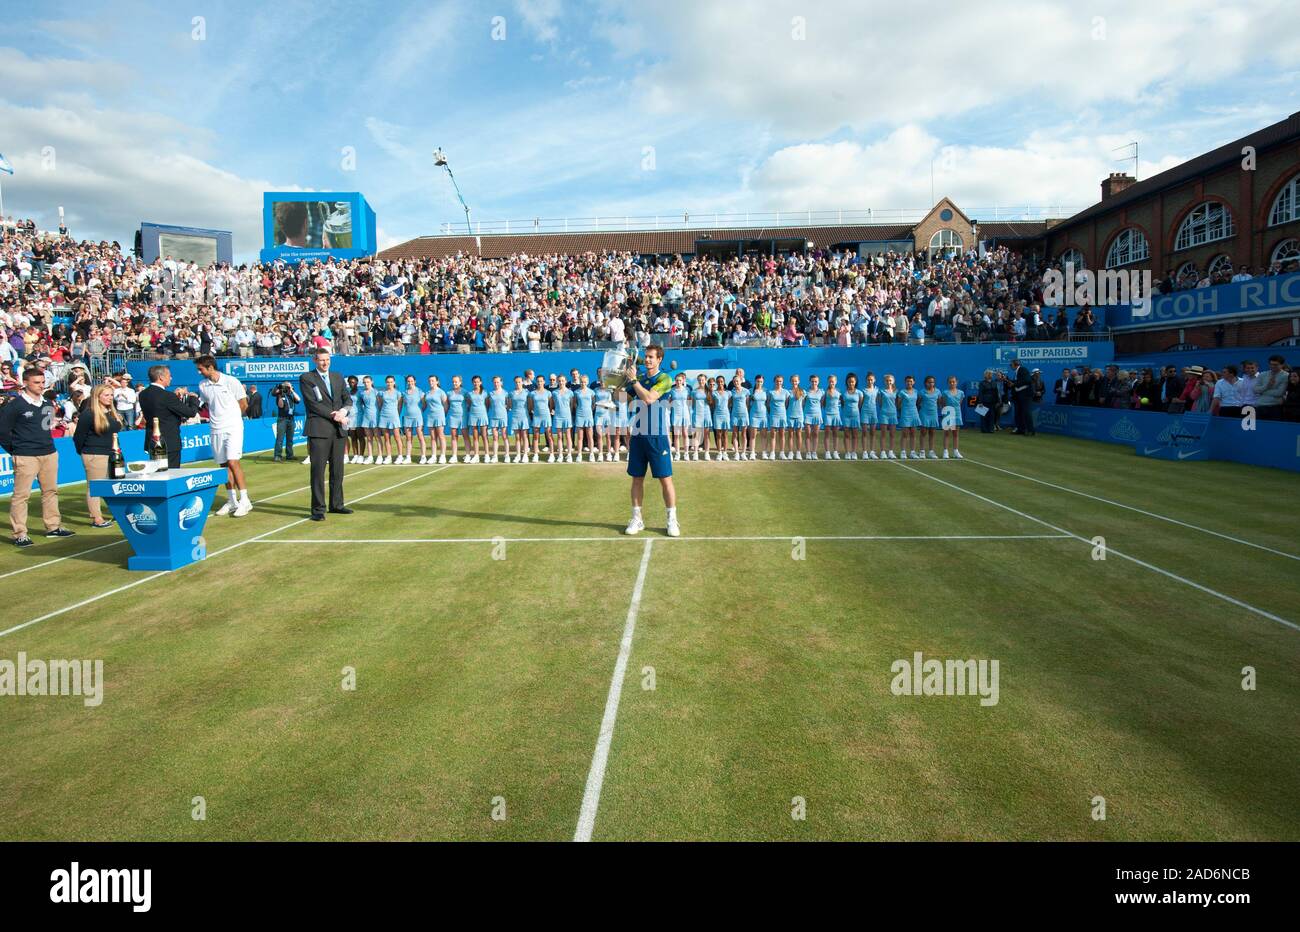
[455,409]
[411,415]
[388,409]
[888,405]
[703,416]
[497,413]
[870,398]
[368,402]
[758,409]
[908,416]
[930,408]
[435,408]
[477,409]
[519,409]
[852,409]
[585,416]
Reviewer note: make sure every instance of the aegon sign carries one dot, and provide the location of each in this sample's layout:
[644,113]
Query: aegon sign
[1273,294]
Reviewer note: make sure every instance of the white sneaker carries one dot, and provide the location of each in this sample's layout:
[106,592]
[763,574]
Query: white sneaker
[798,454]
[442,459]
[813,455]
[695,455]
[635,526]
[945,454]
[227,508]
[368,460]
[551,458]
[893,455]
[243,508]
[568,457]
[957,454]
[872,455]
[722,457]
[933,455]
[753,455]
[673,530]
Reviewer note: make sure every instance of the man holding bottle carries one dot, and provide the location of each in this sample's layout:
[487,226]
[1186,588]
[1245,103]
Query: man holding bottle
[171,409]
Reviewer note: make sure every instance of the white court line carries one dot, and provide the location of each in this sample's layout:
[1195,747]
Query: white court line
[215,553]
[1149,514]
[1112,551]
[596,776]
[114,543]
[632,540]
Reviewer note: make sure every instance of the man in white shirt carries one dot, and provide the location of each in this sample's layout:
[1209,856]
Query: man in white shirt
[126,400]
[1227,394]
[226,400]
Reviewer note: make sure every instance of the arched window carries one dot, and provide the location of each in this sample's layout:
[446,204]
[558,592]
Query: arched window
[1129,246]
[1220,267]
[1206,223]
[1286,206]
[945,241]
[1188,270]
[1286,251]
[1072,257]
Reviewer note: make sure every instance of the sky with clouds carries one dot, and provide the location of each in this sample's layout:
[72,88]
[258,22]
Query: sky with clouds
[124,111]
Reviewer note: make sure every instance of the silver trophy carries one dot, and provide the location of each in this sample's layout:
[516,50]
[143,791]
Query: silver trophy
[613,370]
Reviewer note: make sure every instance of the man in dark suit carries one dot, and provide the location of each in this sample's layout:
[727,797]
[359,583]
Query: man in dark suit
[1021,394]
[325,396]
[172,409]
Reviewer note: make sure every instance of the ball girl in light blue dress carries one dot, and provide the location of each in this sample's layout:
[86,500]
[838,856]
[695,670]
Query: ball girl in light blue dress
[368,418]
[413,422]
[831,406]
[584,418]
[930,399]
[604,420]
[778,420]
[390,414]
[721,417]
[952,417]
[812,416]
[909,419]
[435,419]
[540,416]
[851,415]
[871,434]
[680,410]
[519,419]
[563,419]
[794,417]
[741,433]
[758,416]
[887,408]
[456,415]
[477,419]
[701,416]
[498,415]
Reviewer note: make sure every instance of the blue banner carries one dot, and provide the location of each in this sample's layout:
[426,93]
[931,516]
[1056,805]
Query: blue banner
[196,444]
[1258,443]
[1270,296]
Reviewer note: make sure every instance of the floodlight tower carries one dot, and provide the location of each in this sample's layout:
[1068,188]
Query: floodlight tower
[440,160]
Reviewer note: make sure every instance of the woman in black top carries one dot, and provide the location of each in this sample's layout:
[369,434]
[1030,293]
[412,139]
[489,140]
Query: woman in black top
[97,424]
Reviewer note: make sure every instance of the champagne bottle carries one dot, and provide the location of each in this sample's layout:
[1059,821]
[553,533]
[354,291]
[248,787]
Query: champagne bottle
[158,449]
[116,462]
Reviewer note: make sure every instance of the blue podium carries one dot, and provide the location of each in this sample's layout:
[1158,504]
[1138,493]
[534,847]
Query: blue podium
[162,515]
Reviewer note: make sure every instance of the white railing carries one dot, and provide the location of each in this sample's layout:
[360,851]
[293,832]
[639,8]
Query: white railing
[689,220]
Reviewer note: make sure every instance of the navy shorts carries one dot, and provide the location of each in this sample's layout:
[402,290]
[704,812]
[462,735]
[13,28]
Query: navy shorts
[649,450]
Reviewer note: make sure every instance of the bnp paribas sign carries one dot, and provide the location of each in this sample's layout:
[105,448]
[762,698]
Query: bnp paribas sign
[265,368]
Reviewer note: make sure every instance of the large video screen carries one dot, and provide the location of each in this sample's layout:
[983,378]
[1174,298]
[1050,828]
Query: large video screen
[201,250]
[311,224]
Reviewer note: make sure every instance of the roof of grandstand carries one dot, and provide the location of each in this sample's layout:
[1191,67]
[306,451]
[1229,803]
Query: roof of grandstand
[669,242]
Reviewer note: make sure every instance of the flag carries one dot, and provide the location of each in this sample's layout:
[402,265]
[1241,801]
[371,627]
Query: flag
[5,166]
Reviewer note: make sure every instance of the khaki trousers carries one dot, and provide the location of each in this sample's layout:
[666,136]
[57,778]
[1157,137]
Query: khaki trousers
[96,466]
[44,469]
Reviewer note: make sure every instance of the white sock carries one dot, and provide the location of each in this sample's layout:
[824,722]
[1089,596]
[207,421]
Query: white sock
[244,493]
[672,515]
[636,512]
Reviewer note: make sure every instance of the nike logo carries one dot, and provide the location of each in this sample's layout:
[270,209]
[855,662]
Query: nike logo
[1183,456]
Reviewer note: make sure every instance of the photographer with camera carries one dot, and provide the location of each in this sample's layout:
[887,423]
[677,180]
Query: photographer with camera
[286,399]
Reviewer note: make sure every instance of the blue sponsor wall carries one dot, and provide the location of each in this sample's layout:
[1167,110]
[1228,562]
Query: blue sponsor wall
[1270,443]
[195,440]
[966,361]
[1260,297]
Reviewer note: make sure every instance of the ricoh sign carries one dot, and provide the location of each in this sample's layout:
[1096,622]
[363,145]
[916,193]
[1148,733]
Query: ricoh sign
[1275,294]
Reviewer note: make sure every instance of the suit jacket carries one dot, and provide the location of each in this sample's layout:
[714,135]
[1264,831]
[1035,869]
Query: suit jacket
[1022,391]
[171,412]
[323,400]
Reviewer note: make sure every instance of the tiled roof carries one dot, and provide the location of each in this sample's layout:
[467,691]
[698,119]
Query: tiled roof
[637,241]
[1279,133]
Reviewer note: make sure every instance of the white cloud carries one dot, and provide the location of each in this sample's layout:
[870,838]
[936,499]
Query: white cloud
[863,65]
[541,17]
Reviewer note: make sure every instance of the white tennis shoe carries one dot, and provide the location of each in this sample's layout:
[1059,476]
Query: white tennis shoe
[635,526]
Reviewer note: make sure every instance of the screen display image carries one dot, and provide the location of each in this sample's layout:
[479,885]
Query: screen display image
[201,250]
[312,224]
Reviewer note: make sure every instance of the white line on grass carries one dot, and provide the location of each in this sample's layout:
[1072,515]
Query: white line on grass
[1149,514]
[632,540]
[114,543]
[596,776]
[1112,551]
[215,553]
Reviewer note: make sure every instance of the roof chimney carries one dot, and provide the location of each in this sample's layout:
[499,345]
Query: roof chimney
[1117,182]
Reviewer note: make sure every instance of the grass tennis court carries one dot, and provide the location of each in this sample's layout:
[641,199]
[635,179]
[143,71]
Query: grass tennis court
[484,610]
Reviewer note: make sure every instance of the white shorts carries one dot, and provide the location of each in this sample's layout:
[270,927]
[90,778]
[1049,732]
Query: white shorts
[227,445]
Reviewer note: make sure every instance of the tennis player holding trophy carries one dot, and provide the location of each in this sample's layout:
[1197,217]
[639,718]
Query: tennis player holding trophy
[648,427]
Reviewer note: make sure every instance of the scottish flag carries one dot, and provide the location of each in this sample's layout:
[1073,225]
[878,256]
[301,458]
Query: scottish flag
[5,166]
